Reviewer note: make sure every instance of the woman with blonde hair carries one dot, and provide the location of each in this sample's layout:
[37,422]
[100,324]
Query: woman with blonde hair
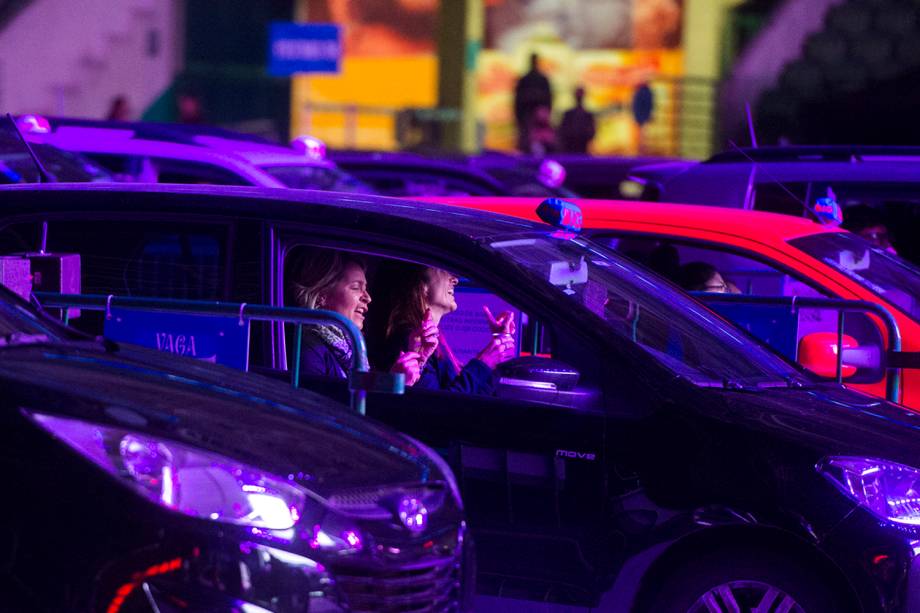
[336,281]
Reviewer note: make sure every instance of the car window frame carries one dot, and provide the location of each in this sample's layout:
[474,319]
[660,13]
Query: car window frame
[211,221]
[290,236]
[730,249]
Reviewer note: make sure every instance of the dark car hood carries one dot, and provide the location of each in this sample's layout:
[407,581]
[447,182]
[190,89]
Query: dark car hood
[250,418]
[828,419]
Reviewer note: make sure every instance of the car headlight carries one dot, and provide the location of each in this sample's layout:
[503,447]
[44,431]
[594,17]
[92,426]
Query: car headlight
[887,489]
[182,478]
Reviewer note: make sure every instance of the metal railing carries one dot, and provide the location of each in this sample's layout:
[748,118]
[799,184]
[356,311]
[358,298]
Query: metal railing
[795,303]
[359,379]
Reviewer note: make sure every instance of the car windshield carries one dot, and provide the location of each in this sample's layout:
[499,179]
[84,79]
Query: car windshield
[893,279]
[17,166]
[679,332]
[325,178]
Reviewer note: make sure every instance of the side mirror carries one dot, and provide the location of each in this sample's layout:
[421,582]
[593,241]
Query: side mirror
[537,372]
[539,379]
[818,353]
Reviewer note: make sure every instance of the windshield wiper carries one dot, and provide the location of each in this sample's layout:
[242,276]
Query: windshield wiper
[14,339]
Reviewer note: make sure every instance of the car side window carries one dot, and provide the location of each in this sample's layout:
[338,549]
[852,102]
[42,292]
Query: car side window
[539,364]
[145,258]
[740,273]
[124,168]
[185,172]
[784,198]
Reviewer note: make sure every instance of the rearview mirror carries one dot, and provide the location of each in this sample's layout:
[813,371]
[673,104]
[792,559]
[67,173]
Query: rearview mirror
[566,274]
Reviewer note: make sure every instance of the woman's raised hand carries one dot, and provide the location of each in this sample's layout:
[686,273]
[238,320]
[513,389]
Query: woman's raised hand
[408,364]
[503,324]
[424,339]
[499,349]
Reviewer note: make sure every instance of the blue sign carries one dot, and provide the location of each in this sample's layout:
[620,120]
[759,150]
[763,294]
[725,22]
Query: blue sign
[215,339]
[303,47]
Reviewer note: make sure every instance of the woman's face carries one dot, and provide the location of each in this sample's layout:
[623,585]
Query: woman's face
[716,285]
[440,294]
[349,295]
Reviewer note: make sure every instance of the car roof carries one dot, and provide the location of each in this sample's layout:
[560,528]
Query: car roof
[817,153]
[386,160]
[201,139]
[355,210]
[600,214]
[168,132]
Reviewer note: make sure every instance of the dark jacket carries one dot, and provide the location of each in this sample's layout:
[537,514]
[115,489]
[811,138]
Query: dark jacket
[317,358]
[439,371]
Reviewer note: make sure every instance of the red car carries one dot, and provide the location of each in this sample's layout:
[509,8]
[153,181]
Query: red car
[761,254]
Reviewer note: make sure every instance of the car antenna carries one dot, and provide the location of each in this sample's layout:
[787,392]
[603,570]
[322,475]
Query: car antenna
[43,174]
[750,123]
[808,210]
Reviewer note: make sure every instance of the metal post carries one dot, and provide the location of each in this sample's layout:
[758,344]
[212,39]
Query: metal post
[298,344]
[351,126]
[840,346]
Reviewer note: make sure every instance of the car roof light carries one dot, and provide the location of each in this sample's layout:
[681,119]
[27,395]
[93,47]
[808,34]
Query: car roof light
[827,210]
[312,147]
[551,173]
[34,124]
[560,214]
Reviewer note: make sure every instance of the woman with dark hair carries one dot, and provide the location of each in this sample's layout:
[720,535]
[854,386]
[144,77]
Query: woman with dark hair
[419,297]
[703,277]
[337,281]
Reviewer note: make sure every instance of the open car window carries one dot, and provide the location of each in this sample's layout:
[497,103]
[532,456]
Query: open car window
[544,365]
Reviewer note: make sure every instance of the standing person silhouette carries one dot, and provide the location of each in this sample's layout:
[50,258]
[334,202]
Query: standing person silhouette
[577,127]
[531,91]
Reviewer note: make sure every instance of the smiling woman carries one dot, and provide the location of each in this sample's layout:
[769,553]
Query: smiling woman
[336,281]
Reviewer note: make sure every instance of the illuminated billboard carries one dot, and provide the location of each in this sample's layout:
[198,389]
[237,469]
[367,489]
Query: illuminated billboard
[609,47]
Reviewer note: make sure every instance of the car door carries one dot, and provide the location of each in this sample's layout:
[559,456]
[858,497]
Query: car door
[531,472]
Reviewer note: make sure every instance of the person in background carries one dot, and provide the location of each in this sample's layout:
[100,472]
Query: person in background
[337,281]
[703,277]
[867,222]
[541,136]
[189,108]
[530,92]
[419,298]
[577,128]
[119,109]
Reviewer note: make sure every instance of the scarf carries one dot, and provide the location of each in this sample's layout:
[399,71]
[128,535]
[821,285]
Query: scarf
[338,344]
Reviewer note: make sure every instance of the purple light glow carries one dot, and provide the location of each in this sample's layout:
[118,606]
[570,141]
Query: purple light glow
[34,124]
[168,491]
[551,173]
[413,514]
[351,537]
[312,147]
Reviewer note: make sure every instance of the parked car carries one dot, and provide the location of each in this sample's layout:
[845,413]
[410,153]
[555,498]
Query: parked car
[174,153]
[762,254]
[18,166]
[487,174]
[410,174]
[639,453]
[144,481]
[790,180]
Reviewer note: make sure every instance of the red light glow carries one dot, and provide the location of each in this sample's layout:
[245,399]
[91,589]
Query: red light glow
[122,593]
